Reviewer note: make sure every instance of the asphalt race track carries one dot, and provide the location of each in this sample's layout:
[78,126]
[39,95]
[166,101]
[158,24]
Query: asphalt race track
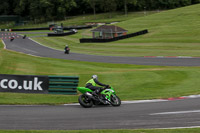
[147,115]
[141,115]
[28,46]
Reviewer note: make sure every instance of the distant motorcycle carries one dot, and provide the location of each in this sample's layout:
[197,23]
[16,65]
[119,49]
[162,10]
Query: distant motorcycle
[12,38]
[67,50]
[24,37]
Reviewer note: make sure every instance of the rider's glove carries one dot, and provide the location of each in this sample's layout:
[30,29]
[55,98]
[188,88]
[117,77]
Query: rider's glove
[107,86]
[102,89]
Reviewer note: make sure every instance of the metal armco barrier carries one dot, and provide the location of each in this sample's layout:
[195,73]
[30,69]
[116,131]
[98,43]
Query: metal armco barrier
[63,84]
[6,30]
[24,83]
[79,27]
[31,29]
[92,40]
[61,34]
[47,28]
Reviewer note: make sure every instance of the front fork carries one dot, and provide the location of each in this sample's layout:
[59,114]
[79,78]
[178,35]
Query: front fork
[108,95]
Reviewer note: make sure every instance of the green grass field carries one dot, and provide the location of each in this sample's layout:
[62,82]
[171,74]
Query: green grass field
[83,19]
[171,33]
[132,82]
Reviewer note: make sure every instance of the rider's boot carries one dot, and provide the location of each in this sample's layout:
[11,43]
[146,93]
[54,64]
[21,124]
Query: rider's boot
[94,93]
[96,96]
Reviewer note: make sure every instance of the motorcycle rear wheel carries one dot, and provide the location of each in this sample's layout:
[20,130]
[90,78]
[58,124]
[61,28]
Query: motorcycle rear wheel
[66,52]
[85,101]
[115,100]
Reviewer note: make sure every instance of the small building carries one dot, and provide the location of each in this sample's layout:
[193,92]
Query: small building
[108,31]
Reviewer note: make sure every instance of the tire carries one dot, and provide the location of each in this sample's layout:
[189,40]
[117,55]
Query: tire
[115,100]
[85,102]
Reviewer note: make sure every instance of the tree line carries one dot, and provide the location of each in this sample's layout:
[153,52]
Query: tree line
[45,10]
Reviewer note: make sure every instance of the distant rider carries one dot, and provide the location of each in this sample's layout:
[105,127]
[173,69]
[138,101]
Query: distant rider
[24,37]
[91,84]
[12,38]
[67,49]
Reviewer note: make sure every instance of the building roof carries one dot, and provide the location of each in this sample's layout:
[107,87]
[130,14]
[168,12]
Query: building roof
[109,29]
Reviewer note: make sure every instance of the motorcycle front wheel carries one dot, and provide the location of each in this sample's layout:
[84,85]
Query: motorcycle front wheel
[66,52]
[85,101]
[115,100]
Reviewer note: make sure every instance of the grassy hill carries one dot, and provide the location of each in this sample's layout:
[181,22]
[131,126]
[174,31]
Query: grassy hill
[81,19]
[178,25]
[171,33]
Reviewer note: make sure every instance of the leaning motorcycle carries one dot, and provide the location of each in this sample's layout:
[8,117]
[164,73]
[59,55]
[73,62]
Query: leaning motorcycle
[67,50]
[106,97]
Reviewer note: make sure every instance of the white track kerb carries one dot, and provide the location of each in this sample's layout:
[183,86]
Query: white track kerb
[151,101]
[161,100]
[4,44]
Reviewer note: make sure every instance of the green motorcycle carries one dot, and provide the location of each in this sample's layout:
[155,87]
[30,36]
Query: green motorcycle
[106,97]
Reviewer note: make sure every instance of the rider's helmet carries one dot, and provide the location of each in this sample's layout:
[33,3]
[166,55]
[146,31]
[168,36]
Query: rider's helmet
[66,46]
[94,76]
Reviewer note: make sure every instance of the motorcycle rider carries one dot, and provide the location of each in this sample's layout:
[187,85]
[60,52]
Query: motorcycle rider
[66,49]
[24,37]
[91,84]
[12,38]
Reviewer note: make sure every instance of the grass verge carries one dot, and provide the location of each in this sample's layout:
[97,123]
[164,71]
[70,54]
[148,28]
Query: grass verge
[132,82]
